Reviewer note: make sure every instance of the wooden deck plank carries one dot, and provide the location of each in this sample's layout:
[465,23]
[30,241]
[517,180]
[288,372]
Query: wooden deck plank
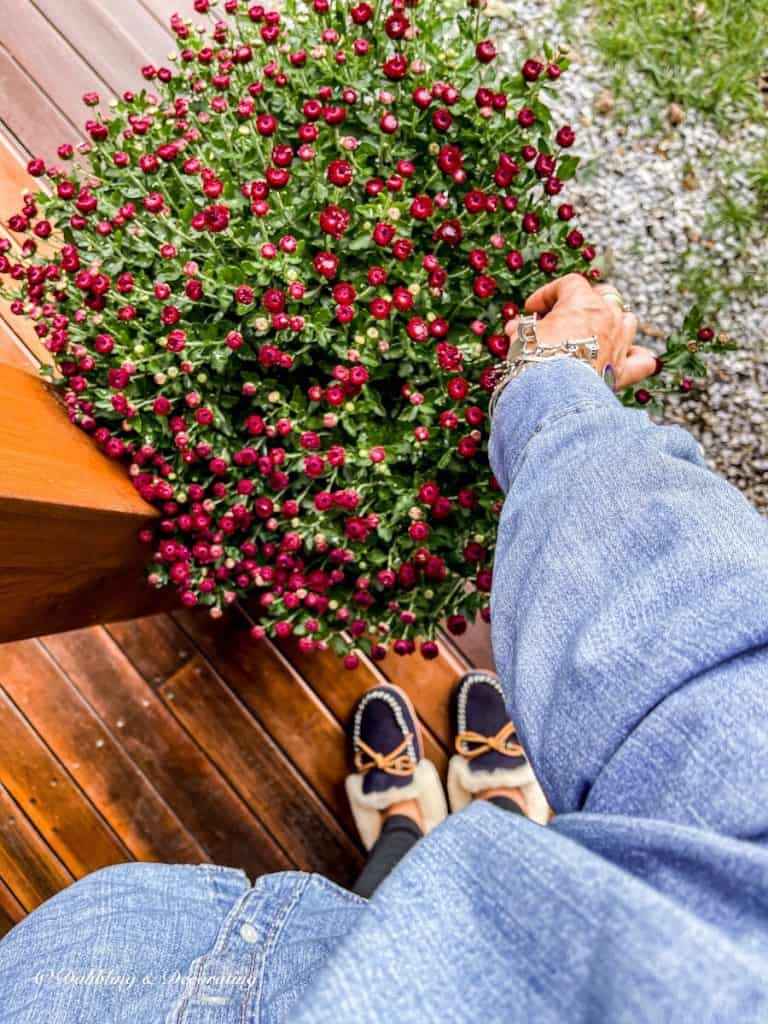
[161,10]
[116,40]
[50,799]
[42,51]
[281,700]
[154,741]
[154,645]
[28,112]
[475,645]
[262,775]
[11,911]
[110,780]
[29,868]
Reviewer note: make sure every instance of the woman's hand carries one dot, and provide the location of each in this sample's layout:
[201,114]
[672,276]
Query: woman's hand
[572,309]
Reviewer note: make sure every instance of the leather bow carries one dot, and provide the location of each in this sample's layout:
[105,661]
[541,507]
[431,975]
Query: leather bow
[396,762]
[501,743]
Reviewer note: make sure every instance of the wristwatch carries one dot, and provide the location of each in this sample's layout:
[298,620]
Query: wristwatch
[526,349]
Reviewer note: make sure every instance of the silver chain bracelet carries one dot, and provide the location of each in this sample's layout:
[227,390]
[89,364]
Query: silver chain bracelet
[527,349]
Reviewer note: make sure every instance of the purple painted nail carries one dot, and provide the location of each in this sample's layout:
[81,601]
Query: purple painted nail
[609,376]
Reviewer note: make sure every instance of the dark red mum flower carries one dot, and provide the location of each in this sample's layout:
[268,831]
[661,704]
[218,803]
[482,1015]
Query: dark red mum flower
[450,232]
[422,207]
[326,264]
[340,172]
[548,262]
[450,159]
[334,220]
[396,67]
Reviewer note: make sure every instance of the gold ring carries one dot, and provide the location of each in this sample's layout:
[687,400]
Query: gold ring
[616,298]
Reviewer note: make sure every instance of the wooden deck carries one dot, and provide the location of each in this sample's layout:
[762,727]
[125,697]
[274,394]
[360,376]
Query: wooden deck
[167,738]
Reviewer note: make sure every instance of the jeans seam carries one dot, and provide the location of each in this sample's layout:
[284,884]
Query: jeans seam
[252,1008]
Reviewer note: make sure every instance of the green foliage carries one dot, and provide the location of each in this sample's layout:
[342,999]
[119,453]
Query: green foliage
[280,292]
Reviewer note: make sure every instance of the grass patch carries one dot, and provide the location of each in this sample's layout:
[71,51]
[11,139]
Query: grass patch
[711,57]
[706,55]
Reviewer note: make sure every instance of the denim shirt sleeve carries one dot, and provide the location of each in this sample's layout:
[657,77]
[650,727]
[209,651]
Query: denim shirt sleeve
[629,607]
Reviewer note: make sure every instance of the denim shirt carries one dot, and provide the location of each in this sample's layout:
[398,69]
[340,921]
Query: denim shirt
[630,622]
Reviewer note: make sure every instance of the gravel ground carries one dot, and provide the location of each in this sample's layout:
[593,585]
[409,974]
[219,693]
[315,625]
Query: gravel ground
[644,209]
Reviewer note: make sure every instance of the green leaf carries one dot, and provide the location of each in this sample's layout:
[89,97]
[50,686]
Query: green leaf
[219,358]
[566,167]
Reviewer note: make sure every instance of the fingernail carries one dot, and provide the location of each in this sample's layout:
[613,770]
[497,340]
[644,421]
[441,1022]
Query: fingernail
[609,376]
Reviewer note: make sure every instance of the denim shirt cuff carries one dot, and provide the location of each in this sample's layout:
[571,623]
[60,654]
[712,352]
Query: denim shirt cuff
[543,392]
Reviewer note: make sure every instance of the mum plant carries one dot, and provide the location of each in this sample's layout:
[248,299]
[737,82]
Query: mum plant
[278,290]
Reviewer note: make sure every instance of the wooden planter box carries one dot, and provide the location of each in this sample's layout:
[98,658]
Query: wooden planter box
[69,517]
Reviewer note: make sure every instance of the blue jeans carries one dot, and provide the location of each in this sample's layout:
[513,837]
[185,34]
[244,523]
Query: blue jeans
[630,623]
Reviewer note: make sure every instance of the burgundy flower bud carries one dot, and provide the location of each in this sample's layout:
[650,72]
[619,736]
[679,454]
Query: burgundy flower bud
[457,624]
[515,260]
[422,97]
[485,51]
[548,262]
[467,447]
[402,248]
[266,124]
[361,13]
[545,165]
[531,70]
[484,286]
[484,579]
[97,131]
[450,159]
